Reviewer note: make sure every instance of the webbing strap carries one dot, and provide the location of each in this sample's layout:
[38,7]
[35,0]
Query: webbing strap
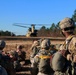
[68,41]
[44,57]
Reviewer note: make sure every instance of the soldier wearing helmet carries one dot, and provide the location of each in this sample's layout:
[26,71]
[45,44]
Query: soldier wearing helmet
[35,49]
[2,44]
[42,59]
[5,60]
[2,70]
[67,26]
[14,58]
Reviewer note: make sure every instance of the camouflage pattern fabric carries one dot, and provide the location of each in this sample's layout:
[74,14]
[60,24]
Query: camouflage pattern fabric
[34,70]
[66,22]
[70,44]
[21,56]
[72,50]
[17,65]
[35,50]
[14,58]
[67,26]
[60,73]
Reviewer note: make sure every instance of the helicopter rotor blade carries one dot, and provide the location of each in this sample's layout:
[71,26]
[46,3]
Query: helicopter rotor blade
[26,25]
[16,24]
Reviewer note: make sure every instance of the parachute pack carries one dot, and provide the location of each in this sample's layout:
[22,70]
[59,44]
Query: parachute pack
[44,64]
[58,62]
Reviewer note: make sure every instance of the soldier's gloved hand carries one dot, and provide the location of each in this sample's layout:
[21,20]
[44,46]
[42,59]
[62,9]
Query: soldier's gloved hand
[69,57]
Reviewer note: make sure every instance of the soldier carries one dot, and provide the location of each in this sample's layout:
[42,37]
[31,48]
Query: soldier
[21,54]
[35,49]
[42,59]
[2,70]
[5,60]
[14,57]
[68,52]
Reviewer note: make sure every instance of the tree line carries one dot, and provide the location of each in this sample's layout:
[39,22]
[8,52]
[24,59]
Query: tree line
[54,30]
[6,33]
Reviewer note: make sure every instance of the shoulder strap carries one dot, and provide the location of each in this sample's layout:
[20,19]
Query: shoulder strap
[68,41]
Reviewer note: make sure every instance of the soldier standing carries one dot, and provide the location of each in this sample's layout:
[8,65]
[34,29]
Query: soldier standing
[68,51]
[42,59]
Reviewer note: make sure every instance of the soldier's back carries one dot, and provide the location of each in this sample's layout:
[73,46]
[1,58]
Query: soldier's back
[6,62]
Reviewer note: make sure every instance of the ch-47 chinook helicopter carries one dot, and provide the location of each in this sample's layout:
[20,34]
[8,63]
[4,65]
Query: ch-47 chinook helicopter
[32,32]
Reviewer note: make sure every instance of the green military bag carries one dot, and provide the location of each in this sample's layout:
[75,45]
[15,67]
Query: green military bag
[58,61]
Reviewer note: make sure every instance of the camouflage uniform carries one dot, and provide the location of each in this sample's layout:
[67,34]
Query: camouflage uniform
[21,53]
[68,49]
[14,57]
[35,49]
[5,60]
[70,46]
[42,59]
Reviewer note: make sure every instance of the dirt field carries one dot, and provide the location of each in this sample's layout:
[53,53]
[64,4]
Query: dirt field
[12,44]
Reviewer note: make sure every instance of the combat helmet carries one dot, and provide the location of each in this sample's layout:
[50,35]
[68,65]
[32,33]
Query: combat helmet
[45,44]
[2,44]
[67,24]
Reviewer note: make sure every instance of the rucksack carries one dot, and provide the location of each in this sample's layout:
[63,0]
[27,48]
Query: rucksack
[44,63]
[58,62]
